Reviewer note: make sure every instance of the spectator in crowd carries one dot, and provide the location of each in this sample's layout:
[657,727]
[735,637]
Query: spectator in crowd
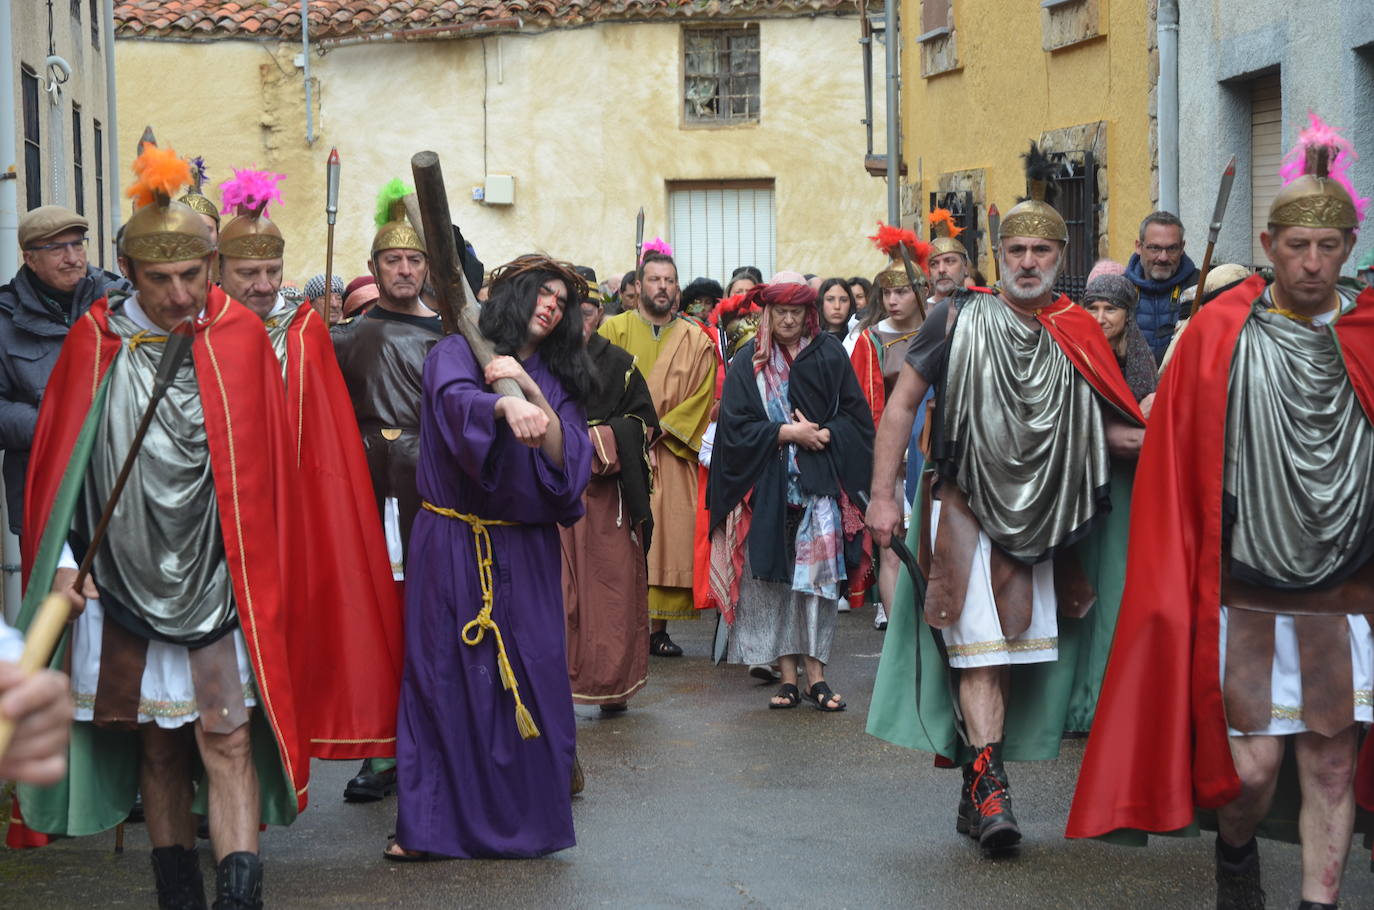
[796,440]
[359,296]
[742,279]
[1365,270]
[629,292]
[314,295]
[862,289]
[1111,299]
[51,290]
[700,297]
[1161,270]
[836,302]
[1220,279]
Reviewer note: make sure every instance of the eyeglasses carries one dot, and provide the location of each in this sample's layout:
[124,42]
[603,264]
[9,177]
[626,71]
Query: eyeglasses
[72,245]
[1172,249]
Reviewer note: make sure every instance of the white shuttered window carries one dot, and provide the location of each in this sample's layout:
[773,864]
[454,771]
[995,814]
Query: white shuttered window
[717,227]
[1266,155]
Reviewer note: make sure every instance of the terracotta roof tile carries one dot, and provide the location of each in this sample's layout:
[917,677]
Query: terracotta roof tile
[347,18]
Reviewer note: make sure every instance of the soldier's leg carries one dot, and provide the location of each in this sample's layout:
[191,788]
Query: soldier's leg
[1326,772]
[982,696]
[164,779]
[233,781]
[1257,760]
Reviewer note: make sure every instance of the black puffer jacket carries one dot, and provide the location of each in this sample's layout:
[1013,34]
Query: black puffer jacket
[32,329]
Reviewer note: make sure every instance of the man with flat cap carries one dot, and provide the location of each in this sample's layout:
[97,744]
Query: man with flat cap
[51,290]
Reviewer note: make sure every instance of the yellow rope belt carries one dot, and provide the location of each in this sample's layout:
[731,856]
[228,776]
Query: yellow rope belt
[475,630]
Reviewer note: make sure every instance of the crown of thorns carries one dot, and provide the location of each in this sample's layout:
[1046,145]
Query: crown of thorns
[577,285]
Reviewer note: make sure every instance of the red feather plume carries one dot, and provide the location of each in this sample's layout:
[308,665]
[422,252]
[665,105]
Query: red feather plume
[731,308]
[889,239]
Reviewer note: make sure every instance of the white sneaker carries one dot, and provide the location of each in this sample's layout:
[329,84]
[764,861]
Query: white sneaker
[879,618]
[842,605]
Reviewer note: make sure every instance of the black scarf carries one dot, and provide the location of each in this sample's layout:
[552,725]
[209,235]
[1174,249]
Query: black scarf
[622,402]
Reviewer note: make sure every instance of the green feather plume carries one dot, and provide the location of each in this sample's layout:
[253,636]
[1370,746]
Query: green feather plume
[392,193]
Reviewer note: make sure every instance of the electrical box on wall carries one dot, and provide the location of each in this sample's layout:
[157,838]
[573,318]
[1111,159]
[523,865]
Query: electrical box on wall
[499,190]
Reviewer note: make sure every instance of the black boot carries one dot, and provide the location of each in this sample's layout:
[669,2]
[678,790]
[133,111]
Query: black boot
[1238,877]
[966,822]
[997,829]
[238,882]
[179,882]
[370,786]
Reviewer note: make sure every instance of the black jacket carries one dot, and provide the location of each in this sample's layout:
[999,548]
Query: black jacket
[32,329]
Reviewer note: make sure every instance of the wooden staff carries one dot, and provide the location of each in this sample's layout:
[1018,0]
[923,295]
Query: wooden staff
[912,280]
[445,268]
[51,619]
[331,211]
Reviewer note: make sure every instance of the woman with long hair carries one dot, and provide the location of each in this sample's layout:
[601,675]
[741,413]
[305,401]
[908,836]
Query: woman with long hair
[485,731]
[836,306]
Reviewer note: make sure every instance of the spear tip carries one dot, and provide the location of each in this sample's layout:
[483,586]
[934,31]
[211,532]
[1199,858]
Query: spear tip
[992,210]
[1230,167]
[334,156]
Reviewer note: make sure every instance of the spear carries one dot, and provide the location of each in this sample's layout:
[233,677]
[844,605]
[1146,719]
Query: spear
[639,251]
[911,279]
[331,211]
[994,227]
[51,619]
[1228,177]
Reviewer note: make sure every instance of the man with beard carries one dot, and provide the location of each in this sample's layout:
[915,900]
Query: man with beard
[51,291]
[949,265]
[347,562]
[679,363]
[1161,270]
[1031,409]
[382,356]
[1240,680]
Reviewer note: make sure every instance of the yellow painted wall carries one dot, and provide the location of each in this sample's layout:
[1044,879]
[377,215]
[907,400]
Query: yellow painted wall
[1008,91]
[587,120]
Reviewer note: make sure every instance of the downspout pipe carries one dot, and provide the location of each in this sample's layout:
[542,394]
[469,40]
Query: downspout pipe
[1167,100]
[112,178]
[9,244]
[305,64]
[894,126]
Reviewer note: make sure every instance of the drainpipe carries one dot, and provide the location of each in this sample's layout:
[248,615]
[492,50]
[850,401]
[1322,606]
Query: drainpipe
[112,175]
[1167,95]
[57,71]
[894,130]
[305,64]
[9,244]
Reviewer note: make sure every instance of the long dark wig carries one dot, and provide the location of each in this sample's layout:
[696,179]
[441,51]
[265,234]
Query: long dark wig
[505,320]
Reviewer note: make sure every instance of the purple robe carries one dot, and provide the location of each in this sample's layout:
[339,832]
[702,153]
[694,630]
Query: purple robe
[469,785]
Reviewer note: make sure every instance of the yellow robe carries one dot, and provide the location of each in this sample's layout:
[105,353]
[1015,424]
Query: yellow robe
[679,363]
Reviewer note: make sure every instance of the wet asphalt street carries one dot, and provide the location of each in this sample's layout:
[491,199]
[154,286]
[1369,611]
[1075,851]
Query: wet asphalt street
[701,797]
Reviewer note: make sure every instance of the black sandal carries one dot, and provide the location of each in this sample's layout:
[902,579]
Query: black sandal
[822,697]
[789,692]
[660,645]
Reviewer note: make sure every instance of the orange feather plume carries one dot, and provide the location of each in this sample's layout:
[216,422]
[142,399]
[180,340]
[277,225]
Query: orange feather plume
[889,239]
[157,172]
[945,217]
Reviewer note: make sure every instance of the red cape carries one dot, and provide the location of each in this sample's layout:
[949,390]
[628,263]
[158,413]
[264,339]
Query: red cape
[1082,341]
[353,695]
[251,458]
[1159,749]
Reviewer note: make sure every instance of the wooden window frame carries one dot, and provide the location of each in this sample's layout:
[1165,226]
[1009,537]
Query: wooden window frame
[727,87]
[33,135]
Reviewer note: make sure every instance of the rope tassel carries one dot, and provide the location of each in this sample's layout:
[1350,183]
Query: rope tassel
[476,629]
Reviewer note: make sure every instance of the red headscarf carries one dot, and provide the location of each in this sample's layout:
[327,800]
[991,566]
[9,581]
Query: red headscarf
[767,296]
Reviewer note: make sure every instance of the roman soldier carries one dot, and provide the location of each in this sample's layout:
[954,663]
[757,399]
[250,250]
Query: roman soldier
[1025,484]
[1244,642]
[348,566]
[949,264]
[381,355]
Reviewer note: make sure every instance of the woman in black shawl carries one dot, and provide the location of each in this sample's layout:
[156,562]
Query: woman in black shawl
[794,448]
[605,576]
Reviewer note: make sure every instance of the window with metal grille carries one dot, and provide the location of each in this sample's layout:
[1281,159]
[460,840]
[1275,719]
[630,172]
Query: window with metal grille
[95,23]
[965,212]
[78,165]
[717,226]
[76,10]
[33,154]
[721,75]
[99,136]
[1077,202]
